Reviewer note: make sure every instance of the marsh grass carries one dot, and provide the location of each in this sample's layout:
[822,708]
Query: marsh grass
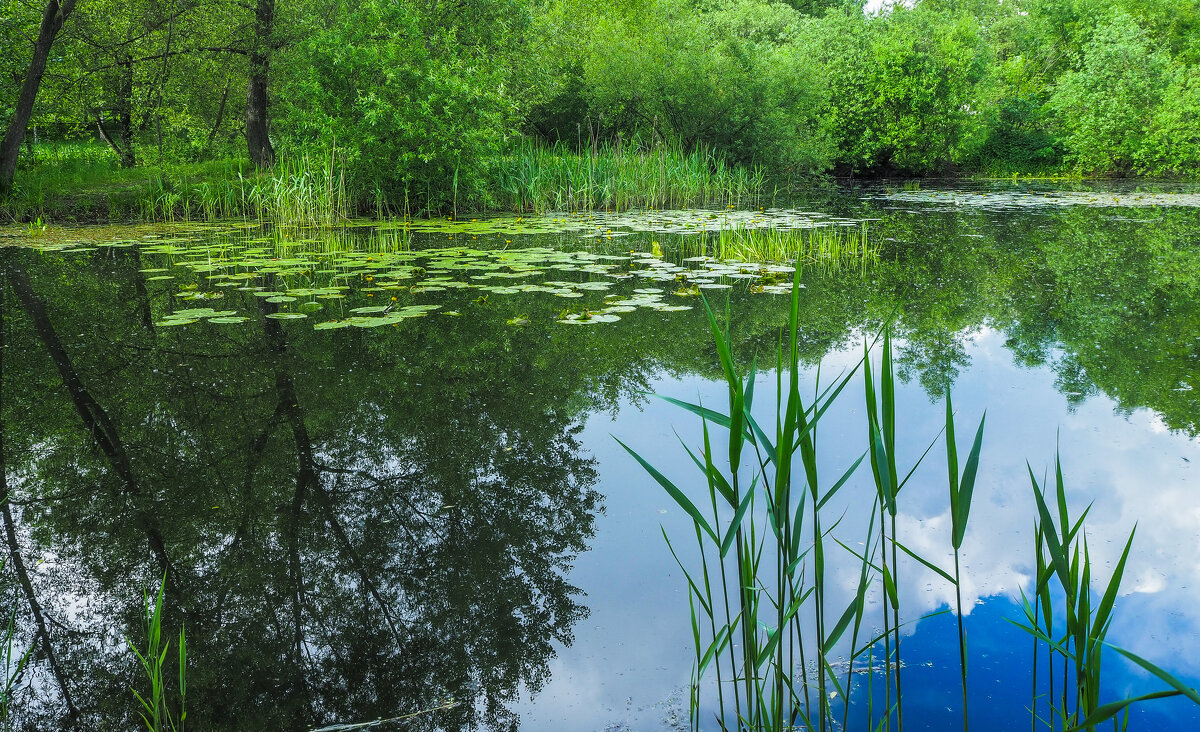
[155,708]
[84,182]
[304,190]
[761,617]
[822,245]
[1071,621]
[758,581]
[90,188]
[538,178]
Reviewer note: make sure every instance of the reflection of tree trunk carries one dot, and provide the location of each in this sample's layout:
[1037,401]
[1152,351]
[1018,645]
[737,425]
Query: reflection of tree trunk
[52,21]
[308,471]
[258,141]
[14,546]
[254,457]
[97,421]
[306,478]
[139,289]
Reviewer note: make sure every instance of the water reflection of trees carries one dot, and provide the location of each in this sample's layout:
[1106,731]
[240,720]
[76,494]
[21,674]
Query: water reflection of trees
[1106,300]
[340,543]
[357,524]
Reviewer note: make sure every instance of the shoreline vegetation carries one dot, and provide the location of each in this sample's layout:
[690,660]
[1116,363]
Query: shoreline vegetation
[80,183]
[371,108]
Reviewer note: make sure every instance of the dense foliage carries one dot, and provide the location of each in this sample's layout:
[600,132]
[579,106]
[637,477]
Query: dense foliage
[429,101]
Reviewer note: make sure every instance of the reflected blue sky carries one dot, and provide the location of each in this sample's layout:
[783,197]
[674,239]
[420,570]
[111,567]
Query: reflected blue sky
[630,663]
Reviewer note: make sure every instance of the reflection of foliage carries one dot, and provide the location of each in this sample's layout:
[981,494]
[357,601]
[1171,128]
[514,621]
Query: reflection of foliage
[367,521]
[1072,380]
[936,359]
[355,544]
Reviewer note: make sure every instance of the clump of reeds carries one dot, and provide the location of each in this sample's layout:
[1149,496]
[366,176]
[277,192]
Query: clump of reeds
[155,707]
[295,192]
[764,541]
[298,193]
[756,581]
[619,176]
[818,245]
[1068,618]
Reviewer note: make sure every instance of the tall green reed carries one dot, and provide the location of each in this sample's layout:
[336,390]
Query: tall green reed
[1063,591]
[820,245]
[759,601]
[155,708]
[299,191]
[618,176]
[962,490]
[749,626]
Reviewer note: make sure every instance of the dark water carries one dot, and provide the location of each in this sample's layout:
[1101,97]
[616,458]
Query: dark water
[360,523]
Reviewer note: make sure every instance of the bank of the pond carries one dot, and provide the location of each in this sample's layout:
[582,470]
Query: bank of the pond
[80,183]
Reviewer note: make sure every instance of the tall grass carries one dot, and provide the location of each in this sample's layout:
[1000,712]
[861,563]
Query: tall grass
[155,707]
[296,192]
[1063,592]
[962,489]
[313,189]
[819,245]
[749,627]
[303,190]
[619,176]
[762,618]
[300,192]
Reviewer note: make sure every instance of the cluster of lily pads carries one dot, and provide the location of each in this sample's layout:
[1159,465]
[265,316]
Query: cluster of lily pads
[203,266]
[1021,199]
[603,225]
[303,283]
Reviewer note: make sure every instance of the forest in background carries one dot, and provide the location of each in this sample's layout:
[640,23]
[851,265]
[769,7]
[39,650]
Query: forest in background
[441,102]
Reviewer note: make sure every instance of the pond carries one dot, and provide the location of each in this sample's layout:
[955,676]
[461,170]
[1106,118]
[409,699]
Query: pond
[377,467]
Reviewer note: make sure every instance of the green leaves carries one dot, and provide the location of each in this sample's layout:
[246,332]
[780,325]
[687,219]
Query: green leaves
[155,709]
[962,488]
[680,498]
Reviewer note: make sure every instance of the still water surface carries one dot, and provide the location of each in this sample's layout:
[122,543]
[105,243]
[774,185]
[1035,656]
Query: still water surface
[358,522]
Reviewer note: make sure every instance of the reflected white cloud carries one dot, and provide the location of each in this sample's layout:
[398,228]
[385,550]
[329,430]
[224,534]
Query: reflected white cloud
[1126,466]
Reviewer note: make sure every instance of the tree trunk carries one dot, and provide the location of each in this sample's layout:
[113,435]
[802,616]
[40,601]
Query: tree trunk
[220,118]
[95,419]
[258,141]
[10,147]
[125,112]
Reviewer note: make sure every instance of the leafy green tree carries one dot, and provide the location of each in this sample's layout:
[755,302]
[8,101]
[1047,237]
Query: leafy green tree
[726,75]
[53,17]
[1106,106]
[1172,143]
[415,98]
[902,86]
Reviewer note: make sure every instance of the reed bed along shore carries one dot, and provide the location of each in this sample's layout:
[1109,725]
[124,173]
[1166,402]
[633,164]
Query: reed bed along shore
[318,189]
[816,245]
[539,178]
